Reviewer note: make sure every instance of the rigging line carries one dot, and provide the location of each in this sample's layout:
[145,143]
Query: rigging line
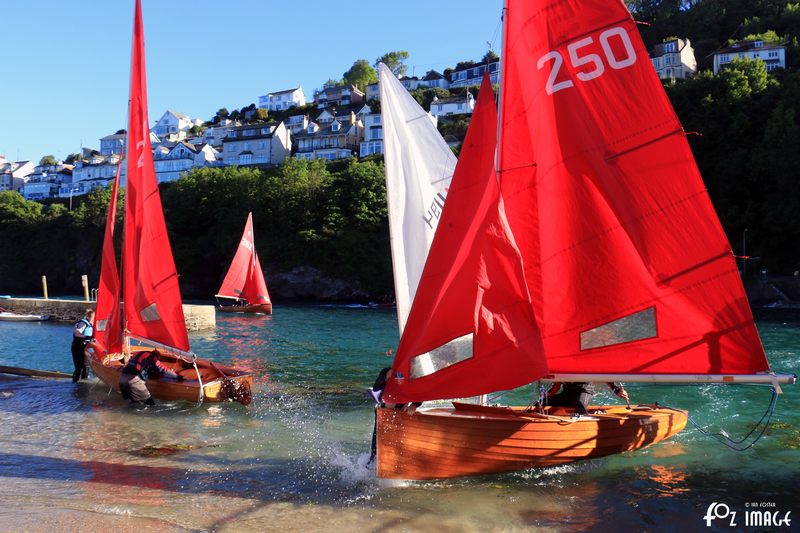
[725,439]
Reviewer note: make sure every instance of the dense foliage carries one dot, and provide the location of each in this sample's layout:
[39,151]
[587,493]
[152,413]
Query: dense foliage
[331,216]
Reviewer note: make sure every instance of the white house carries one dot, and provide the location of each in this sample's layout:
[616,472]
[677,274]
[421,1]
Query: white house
[96,168]
[774,55]
[674,59]
[296,123]
[14,174]
[373,135]
[112,144]
[45,181]
[171,162]
[434,79]
[282,100]
[172,126]
[473,75]
[257,144]
[458,105]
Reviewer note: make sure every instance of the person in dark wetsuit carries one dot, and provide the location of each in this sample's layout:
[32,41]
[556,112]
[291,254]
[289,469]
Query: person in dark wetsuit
[133,381]
[578,395]
[82,333]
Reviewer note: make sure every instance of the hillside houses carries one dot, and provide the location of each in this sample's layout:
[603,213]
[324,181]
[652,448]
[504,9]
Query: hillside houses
[14,174]
[674,59]
[773,55]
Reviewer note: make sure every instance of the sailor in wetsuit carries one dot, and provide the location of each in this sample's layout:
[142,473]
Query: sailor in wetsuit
[133,381]
[82,333]
[578,395]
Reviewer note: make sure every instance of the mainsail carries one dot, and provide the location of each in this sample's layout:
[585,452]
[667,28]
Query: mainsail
[473,282]
[629,269]
[419,167]
[245,279]
[153,306]
[108,326]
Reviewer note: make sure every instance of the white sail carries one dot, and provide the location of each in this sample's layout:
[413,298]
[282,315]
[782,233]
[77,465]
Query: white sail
[419,167]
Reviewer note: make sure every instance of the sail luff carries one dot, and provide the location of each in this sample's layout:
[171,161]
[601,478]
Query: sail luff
[108,320]
[153,306]
[419,166]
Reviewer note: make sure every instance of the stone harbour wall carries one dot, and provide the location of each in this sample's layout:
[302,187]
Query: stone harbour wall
[197,317]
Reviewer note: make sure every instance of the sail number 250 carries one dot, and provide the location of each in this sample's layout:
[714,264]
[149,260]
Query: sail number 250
[578,58]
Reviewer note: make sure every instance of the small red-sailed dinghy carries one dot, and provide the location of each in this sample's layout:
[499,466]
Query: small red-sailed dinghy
[153,310]
[579,246]
[244,283]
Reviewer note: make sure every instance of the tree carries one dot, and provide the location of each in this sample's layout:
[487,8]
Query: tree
[48,161]
[395,61]
[16,209]
[360,74]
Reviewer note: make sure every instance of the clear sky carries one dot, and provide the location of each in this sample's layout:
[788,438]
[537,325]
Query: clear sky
[66,63]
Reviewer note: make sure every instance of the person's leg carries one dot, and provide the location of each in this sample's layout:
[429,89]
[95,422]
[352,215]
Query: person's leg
[77,360]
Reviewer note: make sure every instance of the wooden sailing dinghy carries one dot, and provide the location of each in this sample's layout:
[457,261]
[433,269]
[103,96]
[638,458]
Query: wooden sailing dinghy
[579,246]
[244,283]
[153,311]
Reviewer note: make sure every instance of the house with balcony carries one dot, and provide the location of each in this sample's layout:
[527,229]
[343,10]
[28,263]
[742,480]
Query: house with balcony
[473,74]
[45,181]
[457,105]
[373,135]
[773,55]
[282,100]
[332,140]
[257,144]
[674,59]
[14,174]
[96,168]
[296,123]
[172,161]
[338,96]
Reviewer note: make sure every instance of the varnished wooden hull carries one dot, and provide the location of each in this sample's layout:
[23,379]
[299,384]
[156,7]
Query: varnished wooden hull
[264,309]
[214,387]
[434,443]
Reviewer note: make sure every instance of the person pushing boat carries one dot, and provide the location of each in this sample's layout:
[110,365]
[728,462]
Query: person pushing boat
[141,365]
[82,333]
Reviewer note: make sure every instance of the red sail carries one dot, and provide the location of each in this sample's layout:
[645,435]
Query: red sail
[153,307]
[108,321]
[245,279]
[628,267]
[473,282]
[255,291]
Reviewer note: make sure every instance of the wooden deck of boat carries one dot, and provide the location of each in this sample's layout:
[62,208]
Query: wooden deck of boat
[109,373]
[446,442]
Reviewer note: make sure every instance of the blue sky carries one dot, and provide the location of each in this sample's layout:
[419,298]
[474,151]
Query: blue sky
[66,64]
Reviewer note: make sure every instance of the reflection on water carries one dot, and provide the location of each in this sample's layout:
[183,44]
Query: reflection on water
[297,457]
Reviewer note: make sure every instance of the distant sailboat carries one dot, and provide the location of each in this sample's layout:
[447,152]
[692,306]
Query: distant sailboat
[592,254]
[245,281]
[153,310]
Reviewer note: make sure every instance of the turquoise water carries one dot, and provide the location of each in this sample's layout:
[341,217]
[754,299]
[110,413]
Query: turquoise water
[79,457]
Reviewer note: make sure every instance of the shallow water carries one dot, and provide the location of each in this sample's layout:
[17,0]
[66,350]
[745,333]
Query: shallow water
[74,457]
